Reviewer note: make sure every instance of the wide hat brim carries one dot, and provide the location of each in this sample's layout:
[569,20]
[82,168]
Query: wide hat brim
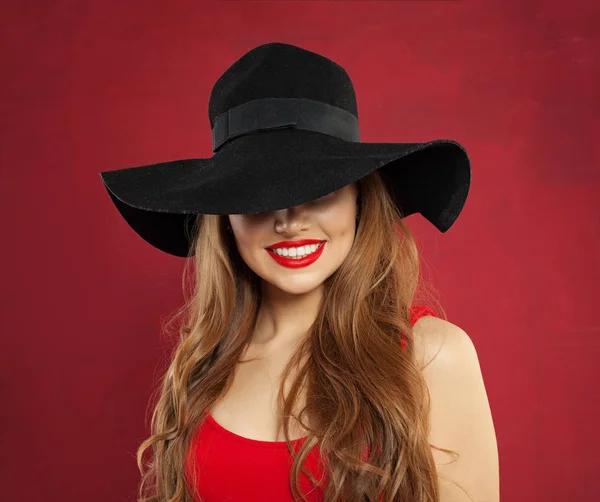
[271,170]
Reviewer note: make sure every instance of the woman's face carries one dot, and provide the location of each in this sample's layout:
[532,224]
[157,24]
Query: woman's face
[329,221]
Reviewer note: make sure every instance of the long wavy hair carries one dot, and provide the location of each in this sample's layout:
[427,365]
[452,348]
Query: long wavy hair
[362,389]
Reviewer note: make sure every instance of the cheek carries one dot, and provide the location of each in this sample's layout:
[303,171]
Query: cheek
[247,236]
[340,223]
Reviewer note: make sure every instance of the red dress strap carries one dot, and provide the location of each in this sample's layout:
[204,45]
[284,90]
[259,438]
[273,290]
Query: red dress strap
[416,312]
[419,311]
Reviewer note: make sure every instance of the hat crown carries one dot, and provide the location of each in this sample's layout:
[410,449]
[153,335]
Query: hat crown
[278,70]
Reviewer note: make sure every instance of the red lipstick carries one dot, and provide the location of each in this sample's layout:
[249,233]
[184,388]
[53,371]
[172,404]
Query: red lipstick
[296,262]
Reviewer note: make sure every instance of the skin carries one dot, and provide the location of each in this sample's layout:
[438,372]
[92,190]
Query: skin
[291,297]
[461,416]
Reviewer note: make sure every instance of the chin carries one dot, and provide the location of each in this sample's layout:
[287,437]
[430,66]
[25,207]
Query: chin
[297,287]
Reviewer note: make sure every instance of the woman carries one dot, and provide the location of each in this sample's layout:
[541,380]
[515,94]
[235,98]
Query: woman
[304,371]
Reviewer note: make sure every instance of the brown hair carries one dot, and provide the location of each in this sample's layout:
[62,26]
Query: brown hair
[362,389]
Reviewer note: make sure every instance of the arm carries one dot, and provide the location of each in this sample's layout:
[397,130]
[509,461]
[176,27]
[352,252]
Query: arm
[461,418]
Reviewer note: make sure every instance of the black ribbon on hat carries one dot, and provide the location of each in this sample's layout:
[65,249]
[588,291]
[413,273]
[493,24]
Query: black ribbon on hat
[277,113]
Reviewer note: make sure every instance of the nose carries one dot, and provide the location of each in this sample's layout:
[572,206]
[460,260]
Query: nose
[290,220]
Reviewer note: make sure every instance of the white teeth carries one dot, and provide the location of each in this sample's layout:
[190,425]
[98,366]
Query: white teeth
[298,252]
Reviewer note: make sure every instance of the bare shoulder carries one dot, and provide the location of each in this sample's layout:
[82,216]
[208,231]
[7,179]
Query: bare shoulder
[461,418]
[439,340]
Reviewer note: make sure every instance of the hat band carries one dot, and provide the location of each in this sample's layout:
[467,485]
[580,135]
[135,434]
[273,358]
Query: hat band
[276,113]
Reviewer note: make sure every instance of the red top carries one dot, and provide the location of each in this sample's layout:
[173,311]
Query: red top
[235,468]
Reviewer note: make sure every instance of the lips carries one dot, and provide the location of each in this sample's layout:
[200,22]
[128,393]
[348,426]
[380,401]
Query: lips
[297,262]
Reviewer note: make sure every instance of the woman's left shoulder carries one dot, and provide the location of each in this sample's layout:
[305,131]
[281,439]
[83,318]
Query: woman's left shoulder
[461,418]
[439,340]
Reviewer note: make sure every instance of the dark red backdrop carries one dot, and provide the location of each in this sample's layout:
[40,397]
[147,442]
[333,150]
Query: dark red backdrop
[98,85]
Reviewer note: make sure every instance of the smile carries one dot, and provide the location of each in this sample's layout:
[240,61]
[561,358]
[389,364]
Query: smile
[296,257]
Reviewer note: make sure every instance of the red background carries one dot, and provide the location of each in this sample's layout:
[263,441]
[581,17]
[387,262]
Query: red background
[92,86]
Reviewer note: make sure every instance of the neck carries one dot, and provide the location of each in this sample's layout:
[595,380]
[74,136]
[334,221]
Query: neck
[284,317]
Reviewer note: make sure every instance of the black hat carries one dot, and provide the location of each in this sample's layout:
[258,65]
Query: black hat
[285,131]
